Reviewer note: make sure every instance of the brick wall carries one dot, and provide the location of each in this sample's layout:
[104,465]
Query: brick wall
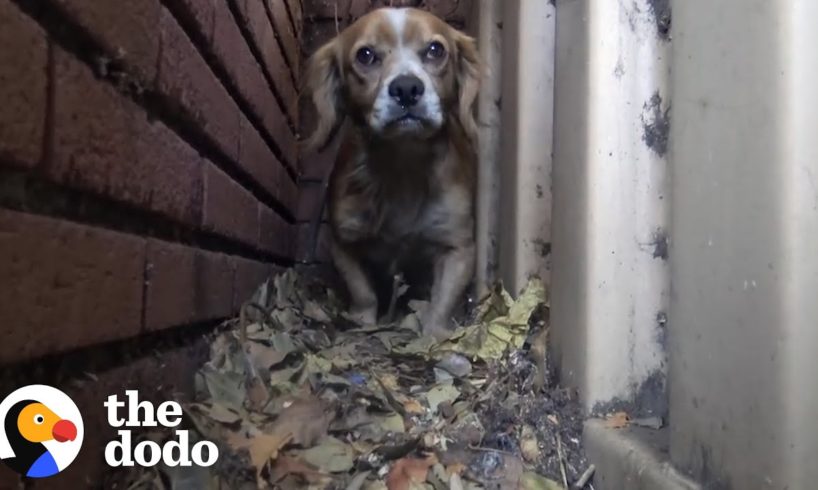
[322,20]
[148,164]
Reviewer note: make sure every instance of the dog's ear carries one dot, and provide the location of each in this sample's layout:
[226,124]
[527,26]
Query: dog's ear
[323,83]
[468,71]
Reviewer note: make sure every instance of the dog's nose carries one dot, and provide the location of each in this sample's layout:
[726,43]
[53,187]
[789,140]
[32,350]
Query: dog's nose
[406,90]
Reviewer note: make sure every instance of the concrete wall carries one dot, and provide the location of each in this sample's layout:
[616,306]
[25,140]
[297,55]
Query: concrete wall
[742,321]
[685,225]
[610,272]
[527,111]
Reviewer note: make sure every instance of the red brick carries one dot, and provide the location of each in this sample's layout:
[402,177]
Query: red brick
[288,193]
[286,33]
[255,16]
[450,10]
[249,276]
[128,30]
[297,14]
[104,143]
[316,35]
[185,78]
[275,234]
[357,8]
[231,48]
[245,72]
[23,81]
[185,285]
[199,12]
[310,201]
[229,209]
[65,285]
[323,9]
[275,124]
[304,243]
[258,161]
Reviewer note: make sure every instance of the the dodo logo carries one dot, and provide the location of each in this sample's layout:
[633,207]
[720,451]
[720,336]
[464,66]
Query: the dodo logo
[40,431]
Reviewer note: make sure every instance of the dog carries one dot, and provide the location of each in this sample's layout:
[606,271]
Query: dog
[401,193]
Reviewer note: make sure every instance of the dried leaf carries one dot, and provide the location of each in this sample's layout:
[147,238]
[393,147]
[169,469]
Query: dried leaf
[529,447]
[220,413]
[330,455]
[408,471]
[264,357]
[392,423]
[287,465]
[533,481]
[314,312]
[440,394]
[617,420]
[262,447]
[257,395]
[225,388]
[414,407]
[305,419]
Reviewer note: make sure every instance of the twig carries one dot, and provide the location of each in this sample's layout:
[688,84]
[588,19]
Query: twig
[585,478]
[562,462]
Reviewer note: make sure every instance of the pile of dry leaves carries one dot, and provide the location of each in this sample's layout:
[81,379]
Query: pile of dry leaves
[297,396]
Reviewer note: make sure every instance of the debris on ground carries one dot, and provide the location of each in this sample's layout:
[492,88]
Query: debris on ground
[298,396]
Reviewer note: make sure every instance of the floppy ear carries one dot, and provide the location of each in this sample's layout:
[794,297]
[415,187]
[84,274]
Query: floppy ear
[324,85]
[468,72]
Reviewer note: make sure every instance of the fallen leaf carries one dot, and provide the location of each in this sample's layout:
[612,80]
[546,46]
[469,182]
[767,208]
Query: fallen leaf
[440,394]
[406,471]
[220,413]
[287,465]
[305,419]
[529,446]
[330,455]
[187,477]
[314,312]
[494,335]
[257,395]
[618,420]
[392,423]
[262,447]
[225,388]
[264,357]
[533,481]
[358,481]
[414,407]
[389,381]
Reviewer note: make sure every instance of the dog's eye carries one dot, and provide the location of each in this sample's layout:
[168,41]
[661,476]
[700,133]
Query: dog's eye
[366,56]
[435,51]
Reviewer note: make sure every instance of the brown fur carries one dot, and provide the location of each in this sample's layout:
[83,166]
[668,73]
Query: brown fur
[394,201]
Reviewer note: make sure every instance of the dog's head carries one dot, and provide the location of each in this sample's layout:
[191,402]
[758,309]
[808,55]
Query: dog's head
[398,73]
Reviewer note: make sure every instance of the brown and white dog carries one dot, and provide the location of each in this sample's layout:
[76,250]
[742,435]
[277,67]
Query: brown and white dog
[401,195]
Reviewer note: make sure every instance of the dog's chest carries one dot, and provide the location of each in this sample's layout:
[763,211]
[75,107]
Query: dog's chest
[418,216]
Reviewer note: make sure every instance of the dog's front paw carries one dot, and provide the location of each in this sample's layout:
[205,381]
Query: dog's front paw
[436,327]
[364,315]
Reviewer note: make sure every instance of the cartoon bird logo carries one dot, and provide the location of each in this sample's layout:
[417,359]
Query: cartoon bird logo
[38,442]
